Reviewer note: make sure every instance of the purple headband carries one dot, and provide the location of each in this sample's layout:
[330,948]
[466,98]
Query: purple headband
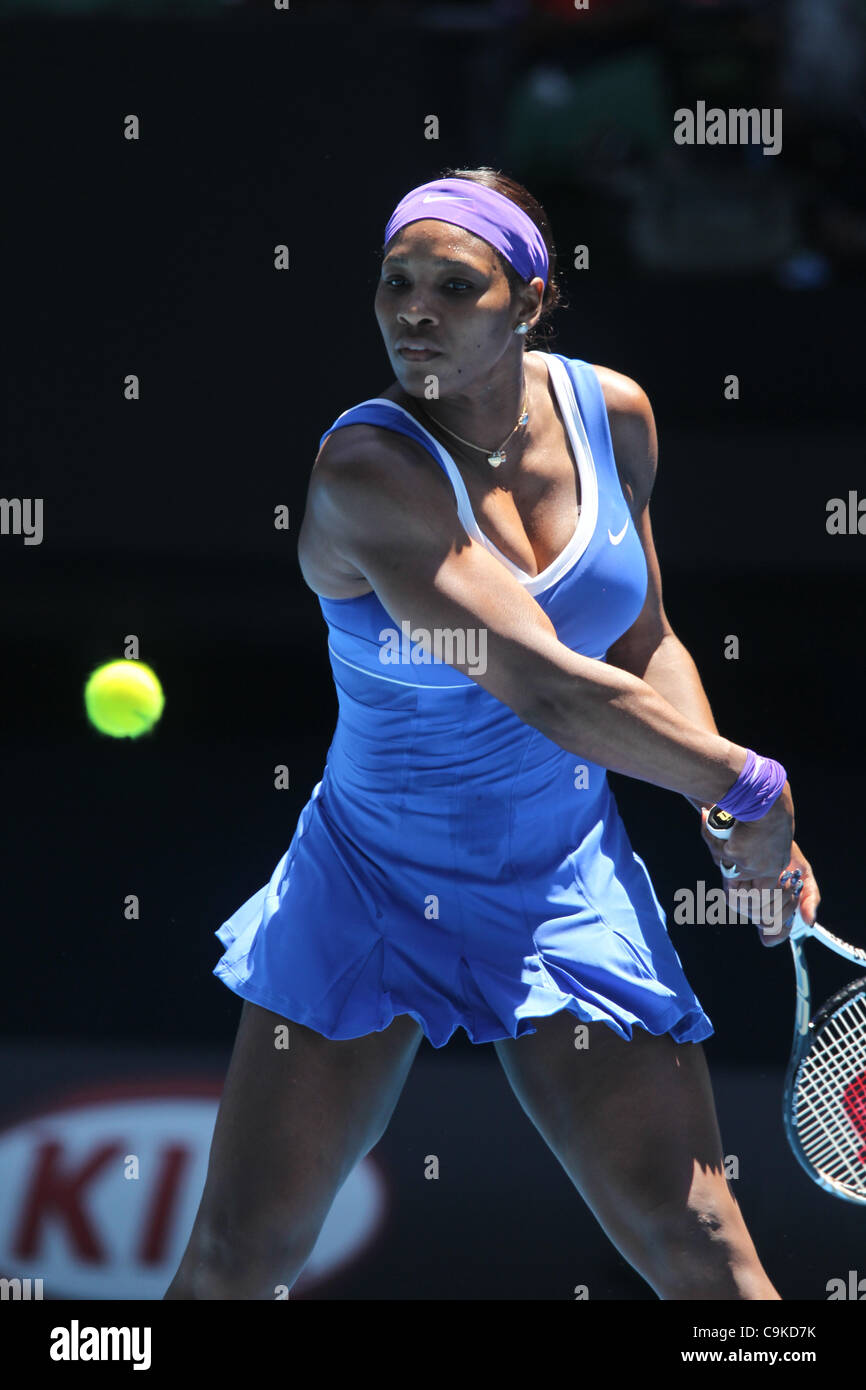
[481,210]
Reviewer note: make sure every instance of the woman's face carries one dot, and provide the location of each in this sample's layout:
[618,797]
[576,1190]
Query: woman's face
[445,288]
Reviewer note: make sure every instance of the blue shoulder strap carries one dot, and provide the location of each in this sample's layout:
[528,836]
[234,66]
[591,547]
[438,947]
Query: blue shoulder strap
[388,416]
[593,410]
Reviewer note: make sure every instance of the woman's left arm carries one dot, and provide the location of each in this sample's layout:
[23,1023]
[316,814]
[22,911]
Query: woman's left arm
[650,648]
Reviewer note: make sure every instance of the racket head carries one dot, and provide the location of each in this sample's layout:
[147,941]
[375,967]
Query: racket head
[824,1101]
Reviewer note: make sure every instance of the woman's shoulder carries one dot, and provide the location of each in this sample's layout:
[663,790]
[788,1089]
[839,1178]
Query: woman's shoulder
[622,394]
[366,461]
[374,446]
[393,432]
[632,430]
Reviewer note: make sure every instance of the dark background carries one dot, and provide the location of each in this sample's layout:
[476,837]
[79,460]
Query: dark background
[156,257]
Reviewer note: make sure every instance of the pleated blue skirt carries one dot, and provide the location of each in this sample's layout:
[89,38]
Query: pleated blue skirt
[360,923]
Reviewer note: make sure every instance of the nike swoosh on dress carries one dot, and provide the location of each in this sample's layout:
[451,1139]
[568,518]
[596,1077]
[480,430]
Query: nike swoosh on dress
[615,540]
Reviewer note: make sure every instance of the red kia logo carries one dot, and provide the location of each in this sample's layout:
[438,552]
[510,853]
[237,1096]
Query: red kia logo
[99,1192]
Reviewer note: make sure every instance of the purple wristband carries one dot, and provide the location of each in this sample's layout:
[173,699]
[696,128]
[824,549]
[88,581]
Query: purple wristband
[756,788]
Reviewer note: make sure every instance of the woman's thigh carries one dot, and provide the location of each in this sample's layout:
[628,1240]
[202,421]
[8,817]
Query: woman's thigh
[634,1125]
[292,1124]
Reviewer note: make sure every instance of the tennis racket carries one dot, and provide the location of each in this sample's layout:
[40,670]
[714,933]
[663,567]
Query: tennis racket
[824,1102]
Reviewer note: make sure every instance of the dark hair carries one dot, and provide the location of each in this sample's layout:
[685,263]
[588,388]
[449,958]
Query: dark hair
[553,297]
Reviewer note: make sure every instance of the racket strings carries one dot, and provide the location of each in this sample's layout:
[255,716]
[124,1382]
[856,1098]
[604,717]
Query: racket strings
[829,1102]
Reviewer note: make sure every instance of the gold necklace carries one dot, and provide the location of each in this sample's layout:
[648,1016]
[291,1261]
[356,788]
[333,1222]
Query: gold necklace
[498,456]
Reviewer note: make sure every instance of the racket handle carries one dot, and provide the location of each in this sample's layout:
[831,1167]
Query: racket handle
[720,824]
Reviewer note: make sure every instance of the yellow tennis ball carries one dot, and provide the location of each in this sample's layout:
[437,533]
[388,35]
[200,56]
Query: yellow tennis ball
[123,698]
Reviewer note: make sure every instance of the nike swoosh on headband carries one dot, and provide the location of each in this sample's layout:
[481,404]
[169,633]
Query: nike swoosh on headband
[485,213]
[615,540]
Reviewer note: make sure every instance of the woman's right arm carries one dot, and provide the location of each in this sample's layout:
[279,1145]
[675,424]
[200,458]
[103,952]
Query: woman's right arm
[381,513]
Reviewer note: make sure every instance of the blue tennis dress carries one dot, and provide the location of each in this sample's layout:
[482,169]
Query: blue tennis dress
[452,863]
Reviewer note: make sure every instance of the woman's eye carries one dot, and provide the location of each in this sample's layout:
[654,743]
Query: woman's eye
[391,279]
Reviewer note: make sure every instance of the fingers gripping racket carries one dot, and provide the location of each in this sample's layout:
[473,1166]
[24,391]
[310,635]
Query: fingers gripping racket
[824,1103]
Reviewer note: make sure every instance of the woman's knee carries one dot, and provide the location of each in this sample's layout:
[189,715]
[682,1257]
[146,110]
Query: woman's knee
[703,1251]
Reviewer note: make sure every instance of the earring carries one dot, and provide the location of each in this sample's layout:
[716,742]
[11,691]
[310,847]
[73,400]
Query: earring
[522,328]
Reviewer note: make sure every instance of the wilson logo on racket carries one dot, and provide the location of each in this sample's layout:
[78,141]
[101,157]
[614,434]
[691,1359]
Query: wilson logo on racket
[854,1102]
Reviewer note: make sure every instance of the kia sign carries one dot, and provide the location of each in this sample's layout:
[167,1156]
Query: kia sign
[98,1193]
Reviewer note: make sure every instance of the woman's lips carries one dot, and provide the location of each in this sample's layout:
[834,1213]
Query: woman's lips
[417,354]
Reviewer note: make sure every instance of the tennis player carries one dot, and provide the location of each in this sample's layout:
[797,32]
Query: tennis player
[479,538]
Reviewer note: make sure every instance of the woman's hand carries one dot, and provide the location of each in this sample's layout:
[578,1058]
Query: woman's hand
[760,848]
[780,894]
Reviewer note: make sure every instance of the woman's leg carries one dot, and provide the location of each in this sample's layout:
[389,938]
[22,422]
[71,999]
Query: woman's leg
[634,1126]
[292,1124]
